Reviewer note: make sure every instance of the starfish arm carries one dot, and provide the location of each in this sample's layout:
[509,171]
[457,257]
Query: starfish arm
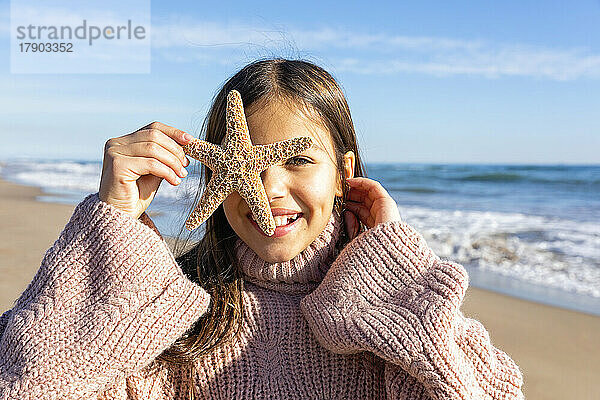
[237,166]
[269,154]
[217,190]
[253,191]
[205,152]
[237,135]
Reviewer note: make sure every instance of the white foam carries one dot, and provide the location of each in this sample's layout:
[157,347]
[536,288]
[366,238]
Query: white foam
[562,254]
[84,177]
[68,175]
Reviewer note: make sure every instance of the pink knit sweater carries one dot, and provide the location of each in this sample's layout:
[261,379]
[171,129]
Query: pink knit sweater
[381,320]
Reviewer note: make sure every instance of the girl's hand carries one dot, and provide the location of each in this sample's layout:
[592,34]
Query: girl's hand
[370,202]
[134,165]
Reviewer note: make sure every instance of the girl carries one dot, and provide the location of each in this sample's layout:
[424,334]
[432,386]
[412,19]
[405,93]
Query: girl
[345,301]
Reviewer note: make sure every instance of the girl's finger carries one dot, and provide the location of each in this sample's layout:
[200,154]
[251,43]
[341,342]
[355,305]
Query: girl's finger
[356,195]
[363,213]
[352,226]
[161,138]
[175,134]
[170,138]
[360,196]
[141,166]
[373,188]
[156,151]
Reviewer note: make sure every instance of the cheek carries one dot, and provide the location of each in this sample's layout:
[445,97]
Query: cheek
[317,190]
[231,206]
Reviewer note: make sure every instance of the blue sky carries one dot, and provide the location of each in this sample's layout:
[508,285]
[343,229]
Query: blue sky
[441,82]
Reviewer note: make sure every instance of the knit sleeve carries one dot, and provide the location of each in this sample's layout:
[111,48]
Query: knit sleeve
[108,298]
[389,294]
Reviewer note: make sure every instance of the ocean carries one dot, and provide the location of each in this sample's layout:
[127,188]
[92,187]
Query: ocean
[529,231]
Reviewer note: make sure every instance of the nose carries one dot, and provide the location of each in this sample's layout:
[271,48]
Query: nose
[275,183]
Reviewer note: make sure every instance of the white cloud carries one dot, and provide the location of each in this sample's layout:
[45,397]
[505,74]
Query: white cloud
[380,53]
[491,63]
[183,39]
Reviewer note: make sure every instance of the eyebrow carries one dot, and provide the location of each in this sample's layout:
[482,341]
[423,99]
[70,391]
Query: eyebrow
[318,146]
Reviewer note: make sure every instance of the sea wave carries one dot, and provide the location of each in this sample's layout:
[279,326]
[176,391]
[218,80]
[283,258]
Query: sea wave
[553,252]
[501,177]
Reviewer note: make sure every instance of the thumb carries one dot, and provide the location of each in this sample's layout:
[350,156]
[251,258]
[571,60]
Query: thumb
[351,223]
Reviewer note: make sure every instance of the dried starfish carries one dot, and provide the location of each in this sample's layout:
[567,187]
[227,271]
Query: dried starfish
[236,166]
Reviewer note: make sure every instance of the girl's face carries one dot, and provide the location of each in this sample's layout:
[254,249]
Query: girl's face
[302,187]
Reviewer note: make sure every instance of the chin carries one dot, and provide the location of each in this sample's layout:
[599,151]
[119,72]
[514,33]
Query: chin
[277,254]
[277,249]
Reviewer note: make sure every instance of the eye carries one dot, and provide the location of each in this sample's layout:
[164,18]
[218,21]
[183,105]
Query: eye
[298,160]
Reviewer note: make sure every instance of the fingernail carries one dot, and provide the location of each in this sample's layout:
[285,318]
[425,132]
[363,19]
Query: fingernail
[183,171]
[177,180]
[187,136]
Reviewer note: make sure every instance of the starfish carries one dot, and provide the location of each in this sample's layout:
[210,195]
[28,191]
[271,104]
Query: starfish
[236,166]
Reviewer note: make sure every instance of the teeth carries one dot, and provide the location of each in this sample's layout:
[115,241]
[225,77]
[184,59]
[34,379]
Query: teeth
[281,220]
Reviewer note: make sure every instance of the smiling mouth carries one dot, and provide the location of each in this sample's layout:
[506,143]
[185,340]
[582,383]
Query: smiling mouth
[286,221]
[281,220]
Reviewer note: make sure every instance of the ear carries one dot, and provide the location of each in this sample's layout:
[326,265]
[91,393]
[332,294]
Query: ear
[349,162]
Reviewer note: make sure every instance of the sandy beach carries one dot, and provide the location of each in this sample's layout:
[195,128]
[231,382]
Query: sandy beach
[557,350]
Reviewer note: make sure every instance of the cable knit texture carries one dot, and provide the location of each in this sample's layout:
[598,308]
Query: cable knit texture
[303,273]
[380,320]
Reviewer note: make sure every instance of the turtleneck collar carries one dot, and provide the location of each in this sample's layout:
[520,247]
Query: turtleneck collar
[301,274]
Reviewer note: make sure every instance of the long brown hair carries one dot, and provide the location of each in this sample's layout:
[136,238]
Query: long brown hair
[211,262]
